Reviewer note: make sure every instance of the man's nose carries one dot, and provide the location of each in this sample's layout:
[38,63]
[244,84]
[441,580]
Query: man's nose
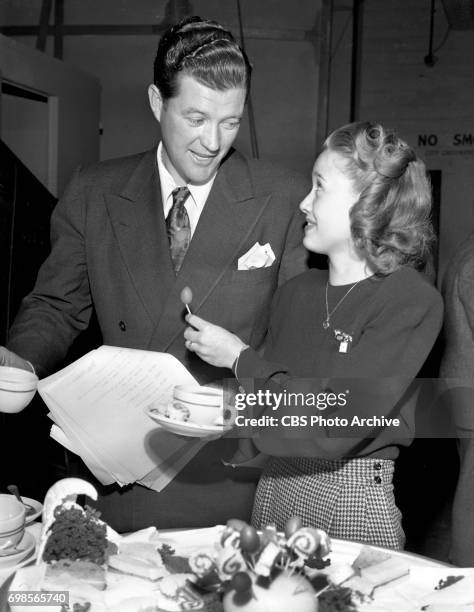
[210,138]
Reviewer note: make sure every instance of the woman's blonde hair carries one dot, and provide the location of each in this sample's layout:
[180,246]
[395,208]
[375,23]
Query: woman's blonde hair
[390,222]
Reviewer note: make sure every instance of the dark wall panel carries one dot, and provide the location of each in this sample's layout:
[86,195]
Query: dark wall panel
[25,211]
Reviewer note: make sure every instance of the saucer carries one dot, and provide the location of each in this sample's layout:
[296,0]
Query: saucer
[185,428]
[38,509]
[22,550]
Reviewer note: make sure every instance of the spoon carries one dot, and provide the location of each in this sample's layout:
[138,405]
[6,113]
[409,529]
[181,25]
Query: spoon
[13,489]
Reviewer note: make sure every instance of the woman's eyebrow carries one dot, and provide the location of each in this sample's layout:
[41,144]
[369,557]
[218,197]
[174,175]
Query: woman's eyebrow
[317,175]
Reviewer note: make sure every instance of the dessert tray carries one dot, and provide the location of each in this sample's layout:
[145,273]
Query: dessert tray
[415,592]
[230,568]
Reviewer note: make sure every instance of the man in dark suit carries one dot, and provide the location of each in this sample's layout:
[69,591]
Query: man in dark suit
[124,248]
[457,367]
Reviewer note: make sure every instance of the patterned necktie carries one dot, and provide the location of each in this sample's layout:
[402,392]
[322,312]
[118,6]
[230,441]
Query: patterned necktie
[178,227]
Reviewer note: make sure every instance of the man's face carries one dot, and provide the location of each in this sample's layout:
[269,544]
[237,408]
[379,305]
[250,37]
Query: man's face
[198,127]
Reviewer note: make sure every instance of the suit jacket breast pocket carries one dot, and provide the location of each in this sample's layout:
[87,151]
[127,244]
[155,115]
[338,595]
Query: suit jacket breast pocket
[241,301]
[251,277]
[250,293]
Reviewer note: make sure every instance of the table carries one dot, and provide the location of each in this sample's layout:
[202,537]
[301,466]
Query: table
[424,573]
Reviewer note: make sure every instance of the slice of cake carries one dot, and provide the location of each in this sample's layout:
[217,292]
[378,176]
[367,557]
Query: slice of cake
[138,559]
[76,548]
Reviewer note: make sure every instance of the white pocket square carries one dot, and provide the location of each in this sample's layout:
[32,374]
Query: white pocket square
[259,256]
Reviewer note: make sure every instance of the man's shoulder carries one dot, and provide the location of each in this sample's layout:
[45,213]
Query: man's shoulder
[116,170]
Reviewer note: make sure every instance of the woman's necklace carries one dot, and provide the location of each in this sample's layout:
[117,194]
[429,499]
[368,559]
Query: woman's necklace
[327,320]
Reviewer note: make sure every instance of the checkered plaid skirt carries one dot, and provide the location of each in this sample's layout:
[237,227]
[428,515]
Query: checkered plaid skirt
[348,498]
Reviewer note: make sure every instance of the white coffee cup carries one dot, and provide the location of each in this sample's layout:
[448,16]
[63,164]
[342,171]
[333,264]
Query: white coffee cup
[204,404]
[17,388]
[12,521]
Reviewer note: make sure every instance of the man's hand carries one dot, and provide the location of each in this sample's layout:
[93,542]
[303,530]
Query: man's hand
[212,343]
[12,360]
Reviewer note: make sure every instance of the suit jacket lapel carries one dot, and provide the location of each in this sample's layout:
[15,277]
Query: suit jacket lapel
[137,217]
[230,214]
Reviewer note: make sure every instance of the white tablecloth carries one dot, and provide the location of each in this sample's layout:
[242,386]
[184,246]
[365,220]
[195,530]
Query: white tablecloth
[416,589]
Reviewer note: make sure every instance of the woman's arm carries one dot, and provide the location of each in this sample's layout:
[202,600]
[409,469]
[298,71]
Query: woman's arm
[374,379]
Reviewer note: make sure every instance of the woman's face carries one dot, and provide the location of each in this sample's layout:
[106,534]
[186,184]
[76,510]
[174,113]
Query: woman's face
[327,207]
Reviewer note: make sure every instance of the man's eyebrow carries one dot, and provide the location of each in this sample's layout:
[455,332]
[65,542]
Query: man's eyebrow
[317,175]
[192,109]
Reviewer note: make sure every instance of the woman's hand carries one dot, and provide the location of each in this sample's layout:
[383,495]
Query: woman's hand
[212,343]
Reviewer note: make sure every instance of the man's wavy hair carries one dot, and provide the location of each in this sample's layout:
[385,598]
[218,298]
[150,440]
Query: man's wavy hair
[390,222]
[204,50]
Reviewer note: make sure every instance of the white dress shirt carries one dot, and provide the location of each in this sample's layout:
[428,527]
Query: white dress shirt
[194,204]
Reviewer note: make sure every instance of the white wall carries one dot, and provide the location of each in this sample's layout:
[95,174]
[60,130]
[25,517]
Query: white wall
[285,77]
[25,130]
[399,90]
[74,106]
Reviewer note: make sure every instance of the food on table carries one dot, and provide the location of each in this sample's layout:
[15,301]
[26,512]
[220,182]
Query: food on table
[249,539]
[103,571]
[385,572]
[368,557]
[74,547]
[174,563]
[260,571]
[293,524]
[152,569]
[351,587]
[285,593]
[341,599]
[448,581]
[76,534]
[243,570]
[64,491]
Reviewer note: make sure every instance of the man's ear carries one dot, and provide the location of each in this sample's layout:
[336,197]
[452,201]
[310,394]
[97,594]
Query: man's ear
[156,101]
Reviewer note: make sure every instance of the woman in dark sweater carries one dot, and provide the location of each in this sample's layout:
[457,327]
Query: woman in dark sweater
[347,343]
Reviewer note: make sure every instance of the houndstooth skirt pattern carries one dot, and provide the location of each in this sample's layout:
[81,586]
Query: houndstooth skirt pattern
[350,499]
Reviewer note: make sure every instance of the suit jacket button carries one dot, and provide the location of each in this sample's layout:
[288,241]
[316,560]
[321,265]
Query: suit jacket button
[122,325]
[377,479]
[377,466]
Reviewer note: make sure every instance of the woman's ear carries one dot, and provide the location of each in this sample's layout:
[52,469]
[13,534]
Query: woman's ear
[156,101]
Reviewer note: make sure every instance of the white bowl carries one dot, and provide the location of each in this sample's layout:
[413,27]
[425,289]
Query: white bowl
[12,521]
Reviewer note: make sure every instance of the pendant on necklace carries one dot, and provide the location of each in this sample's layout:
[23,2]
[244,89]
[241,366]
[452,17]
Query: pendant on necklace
[344,340]
[326,323]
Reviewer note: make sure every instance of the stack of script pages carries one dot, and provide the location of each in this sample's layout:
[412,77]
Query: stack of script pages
[98,406]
